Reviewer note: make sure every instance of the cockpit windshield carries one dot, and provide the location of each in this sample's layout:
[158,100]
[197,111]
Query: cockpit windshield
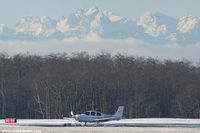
[87,113]
[93,113]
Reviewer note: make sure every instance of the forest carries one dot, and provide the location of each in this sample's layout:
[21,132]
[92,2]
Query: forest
[50,86]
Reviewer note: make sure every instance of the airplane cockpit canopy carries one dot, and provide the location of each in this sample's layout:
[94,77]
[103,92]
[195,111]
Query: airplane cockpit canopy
[92,113]
[87,113]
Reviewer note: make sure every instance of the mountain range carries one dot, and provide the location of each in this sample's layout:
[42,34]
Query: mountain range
[150,27]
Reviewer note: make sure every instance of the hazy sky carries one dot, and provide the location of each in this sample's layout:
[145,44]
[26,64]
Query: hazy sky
[12,10]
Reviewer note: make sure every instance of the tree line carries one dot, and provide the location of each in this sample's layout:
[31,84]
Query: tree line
[33,86]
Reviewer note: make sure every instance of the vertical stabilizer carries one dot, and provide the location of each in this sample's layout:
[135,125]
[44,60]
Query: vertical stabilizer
[119,112]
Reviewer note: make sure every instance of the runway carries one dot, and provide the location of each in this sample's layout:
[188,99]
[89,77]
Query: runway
[35,129]
[145,122]
[69,125]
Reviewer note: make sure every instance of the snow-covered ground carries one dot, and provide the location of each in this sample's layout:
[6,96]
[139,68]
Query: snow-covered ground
[33,129]
[143,122]
[159,121]
[150,125]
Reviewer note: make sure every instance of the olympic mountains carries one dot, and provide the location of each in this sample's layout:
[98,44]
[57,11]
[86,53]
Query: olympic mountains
[151,27]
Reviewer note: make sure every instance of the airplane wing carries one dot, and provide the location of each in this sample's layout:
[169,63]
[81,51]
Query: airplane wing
[105,119]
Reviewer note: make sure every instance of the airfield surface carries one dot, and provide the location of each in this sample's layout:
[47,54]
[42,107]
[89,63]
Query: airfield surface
[35,129]
[150,125]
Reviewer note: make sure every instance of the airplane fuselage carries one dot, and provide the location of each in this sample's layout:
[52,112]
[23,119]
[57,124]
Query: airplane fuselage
[94,116]
[102,118]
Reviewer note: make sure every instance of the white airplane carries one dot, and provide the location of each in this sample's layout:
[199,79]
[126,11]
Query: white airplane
[94,116]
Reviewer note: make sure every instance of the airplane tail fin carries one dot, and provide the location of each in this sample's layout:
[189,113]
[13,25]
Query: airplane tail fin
[119,112]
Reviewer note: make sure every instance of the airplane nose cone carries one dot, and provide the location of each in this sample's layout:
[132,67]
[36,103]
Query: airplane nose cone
[76,117]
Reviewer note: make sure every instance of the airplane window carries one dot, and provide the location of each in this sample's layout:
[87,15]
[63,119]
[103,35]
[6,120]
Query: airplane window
[87,113]
[93,113]
[98,114]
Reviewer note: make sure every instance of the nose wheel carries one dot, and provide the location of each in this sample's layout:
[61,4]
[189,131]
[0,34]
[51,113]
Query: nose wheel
[84,124]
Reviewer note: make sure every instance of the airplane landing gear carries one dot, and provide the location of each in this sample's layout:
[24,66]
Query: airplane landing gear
[84,124]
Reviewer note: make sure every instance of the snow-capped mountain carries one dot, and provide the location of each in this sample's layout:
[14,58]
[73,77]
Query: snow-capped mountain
[34,28]
[86,21]
[78,23]
[187,24]
[149,27]
[189,29]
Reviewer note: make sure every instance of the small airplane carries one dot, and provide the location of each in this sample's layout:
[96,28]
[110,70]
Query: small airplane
[94,116]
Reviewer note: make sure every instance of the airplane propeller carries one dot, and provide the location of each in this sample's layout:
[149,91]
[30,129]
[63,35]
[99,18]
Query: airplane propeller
[72,114]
